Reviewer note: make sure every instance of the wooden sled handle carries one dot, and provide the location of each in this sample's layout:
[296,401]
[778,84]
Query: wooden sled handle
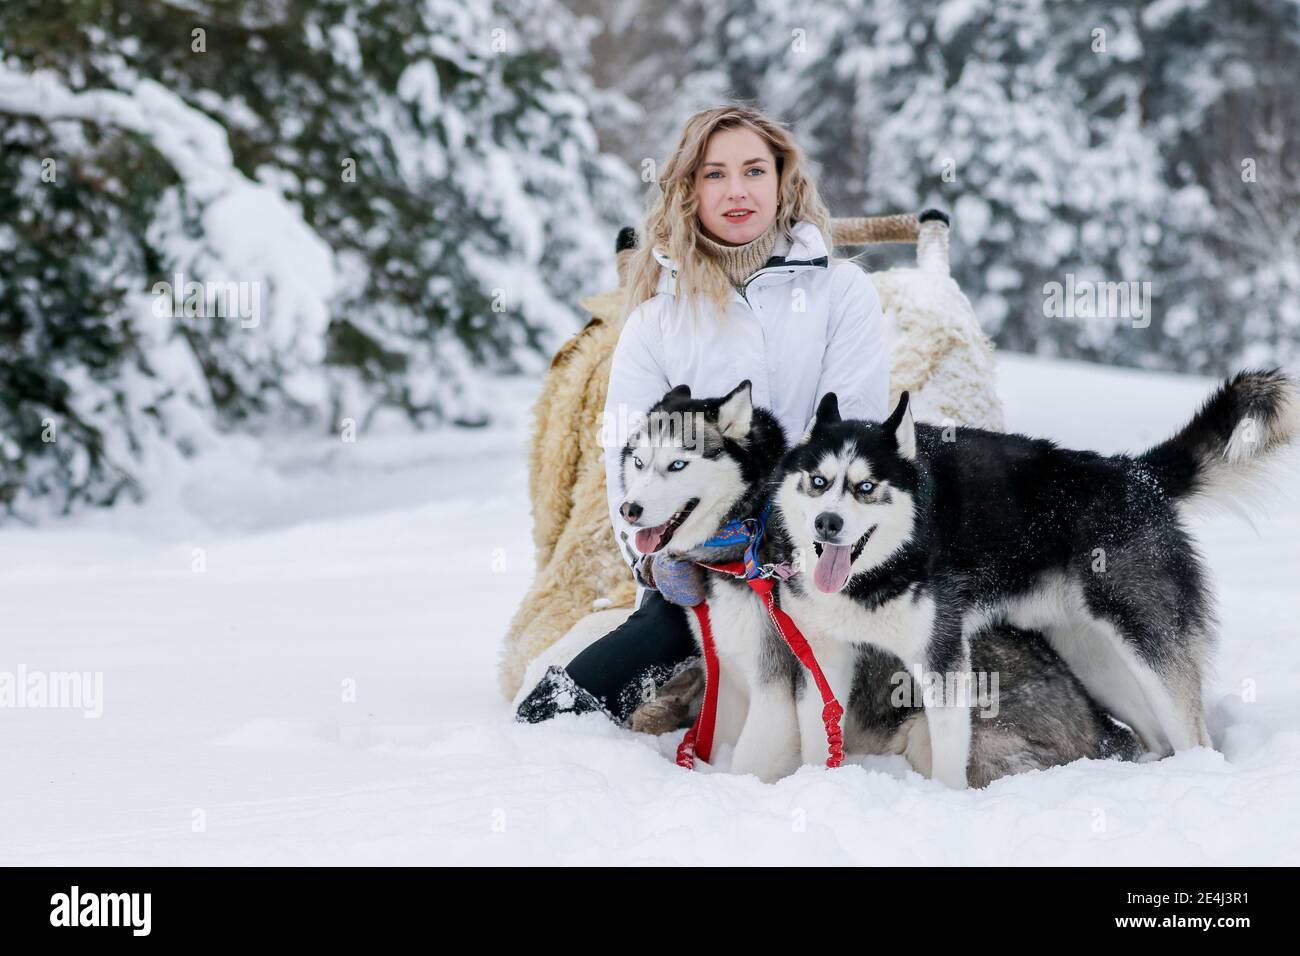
[928,228]
[847,231]
[870,230]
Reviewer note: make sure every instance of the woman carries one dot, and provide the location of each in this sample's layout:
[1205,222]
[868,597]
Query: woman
[733,280]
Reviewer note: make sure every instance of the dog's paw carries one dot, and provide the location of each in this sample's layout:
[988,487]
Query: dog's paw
[671,707]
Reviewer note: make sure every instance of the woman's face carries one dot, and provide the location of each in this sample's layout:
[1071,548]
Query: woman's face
[736,186]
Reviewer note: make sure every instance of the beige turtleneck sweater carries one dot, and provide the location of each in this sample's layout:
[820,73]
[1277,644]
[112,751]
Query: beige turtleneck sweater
[742,261]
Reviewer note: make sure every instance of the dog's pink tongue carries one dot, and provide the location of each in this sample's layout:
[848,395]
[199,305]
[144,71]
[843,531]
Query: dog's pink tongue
[647,539]
[832,568]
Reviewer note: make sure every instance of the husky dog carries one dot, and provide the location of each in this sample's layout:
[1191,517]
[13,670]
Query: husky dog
[1040,715]
[691,467]
[922,536]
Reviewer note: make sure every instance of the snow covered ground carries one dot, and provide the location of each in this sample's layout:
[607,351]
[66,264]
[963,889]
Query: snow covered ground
[298,666]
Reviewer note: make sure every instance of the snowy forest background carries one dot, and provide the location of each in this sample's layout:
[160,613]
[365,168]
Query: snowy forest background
[414,193]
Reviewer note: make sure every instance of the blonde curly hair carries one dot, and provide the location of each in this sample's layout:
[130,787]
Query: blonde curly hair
[673,223]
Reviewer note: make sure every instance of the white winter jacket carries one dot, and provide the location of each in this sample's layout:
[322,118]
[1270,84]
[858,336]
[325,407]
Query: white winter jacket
[801,329]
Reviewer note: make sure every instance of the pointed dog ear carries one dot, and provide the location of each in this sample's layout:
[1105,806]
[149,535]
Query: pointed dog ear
[736,413]
[681,391]
[900,425]
[828,412]
[828,409]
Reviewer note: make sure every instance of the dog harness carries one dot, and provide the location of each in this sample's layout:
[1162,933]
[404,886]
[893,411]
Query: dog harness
[761,579]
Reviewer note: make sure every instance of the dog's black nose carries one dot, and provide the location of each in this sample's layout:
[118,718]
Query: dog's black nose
[828,525]
[630,511]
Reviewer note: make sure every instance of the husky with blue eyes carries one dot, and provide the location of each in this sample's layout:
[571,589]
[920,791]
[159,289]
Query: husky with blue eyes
[917,538]
[693,467]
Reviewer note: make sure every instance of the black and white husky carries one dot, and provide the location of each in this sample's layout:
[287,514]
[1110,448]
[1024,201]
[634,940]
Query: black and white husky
[918,537]
[691,467]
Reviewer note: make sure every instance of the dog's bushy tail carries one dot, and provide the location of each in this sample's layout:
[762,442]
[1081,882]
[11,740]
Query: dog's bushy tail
[1223,454]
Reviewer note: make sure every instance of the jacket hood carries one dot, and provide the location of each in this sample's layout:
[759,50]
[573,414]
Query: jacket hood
[803,246]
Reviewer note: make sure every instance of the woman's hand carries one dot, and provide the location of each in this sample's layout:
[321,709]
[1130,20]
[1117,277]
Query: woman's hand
[680,582]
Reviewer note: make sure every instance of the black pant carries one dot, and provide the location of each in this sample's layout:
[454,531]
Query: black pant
[611,674]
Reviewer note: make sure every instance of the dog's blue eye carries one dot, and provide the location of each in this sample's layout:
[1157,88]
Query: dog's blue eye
[866,487]
[818,481]
[677,465]
[637,461]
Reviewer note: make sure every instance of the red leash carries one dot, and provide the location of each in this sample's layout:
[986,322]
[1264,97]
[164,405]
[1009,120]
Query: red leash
[699,739]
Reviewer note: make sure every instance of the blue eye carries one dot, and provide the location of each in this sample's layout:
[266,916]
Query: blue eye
[637,461]
[866,487]
[677,465]
[756,169]
[818,481]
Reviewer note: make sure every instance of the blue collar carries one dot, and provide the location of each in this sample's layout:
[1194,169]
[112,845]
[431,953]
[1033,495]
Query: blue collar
[751,531]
